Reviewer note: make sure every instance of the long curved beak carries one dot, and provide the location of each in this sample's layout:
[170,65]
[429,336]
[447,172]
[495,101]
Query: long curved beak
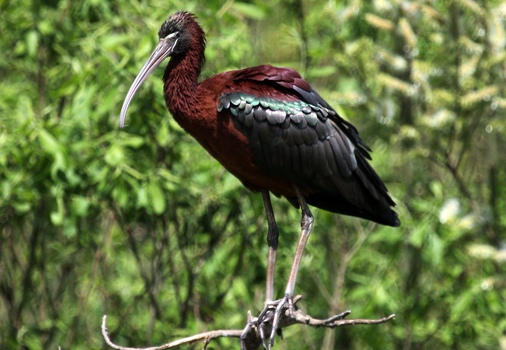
[162,51]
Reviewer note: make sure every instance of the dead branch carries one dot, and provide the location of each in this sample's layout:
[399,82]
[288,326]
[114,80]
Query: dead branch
[206,337]
[251,337]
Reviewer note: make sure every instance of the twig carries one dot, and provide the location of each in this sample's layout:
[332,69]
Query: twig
[206,337]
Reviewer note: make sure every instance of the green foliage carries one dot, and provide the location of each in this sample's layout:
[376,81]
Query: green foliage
[142,225]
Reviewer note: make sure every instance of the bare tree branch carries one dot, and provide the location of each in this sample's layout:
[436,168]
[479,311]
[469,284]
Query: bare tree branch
[251,336]
[206,337]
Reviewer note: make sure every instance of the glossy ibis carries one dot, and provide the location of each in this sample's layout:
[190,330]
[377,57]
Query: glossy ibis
[269,128]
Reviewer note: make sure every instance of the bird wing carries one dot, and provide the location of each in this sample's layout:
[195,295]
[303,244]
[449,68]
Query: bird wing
[294,134]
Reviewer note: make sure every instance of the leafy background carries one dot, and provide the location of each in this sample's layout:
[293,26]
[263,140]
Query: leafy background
[142,225]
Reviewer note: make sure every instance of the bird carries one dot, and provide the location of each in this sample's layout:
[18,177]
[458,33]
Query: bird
[270,129]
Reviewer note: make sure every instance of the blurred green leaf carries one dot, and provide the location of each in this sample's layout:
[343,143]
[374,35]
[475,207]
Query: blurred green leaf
[157,198]
[321,72]
[58,214]
[32,42]
[49,143]
[418,236]
[249,10]
[114,155]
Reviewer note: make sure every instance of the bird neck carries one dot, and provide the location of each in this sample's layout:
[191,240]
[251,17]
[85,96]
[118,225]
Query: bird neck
[181,81]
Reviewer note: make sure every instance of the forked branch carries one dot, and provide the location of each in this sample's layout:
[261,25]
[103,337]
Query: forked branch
[253,338]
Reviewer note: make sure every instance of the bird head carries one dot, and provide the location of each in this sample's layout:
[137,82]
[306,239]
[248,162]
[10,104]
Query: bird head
[175,39]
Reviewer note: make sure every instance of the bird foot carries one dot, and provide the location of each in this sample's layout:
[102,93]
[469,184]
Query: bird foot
[267,324]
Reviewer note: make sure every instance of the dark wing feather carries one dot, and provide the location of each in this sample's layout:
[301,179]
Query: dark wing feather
[295,135]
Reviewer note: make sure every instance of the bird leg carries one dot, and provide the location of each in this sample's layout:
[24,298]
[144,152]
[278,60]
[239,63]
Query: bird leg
[274,309]
[262,321]
[272,241]
[306,224]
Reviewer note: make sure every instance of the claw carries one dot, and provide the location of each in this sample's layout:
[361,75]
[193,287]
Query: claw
[267,322]
[262,324]
[282,305]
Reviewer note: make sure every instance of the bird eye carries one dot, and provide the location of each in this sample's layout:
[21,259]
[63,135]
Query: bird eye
[172,35]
